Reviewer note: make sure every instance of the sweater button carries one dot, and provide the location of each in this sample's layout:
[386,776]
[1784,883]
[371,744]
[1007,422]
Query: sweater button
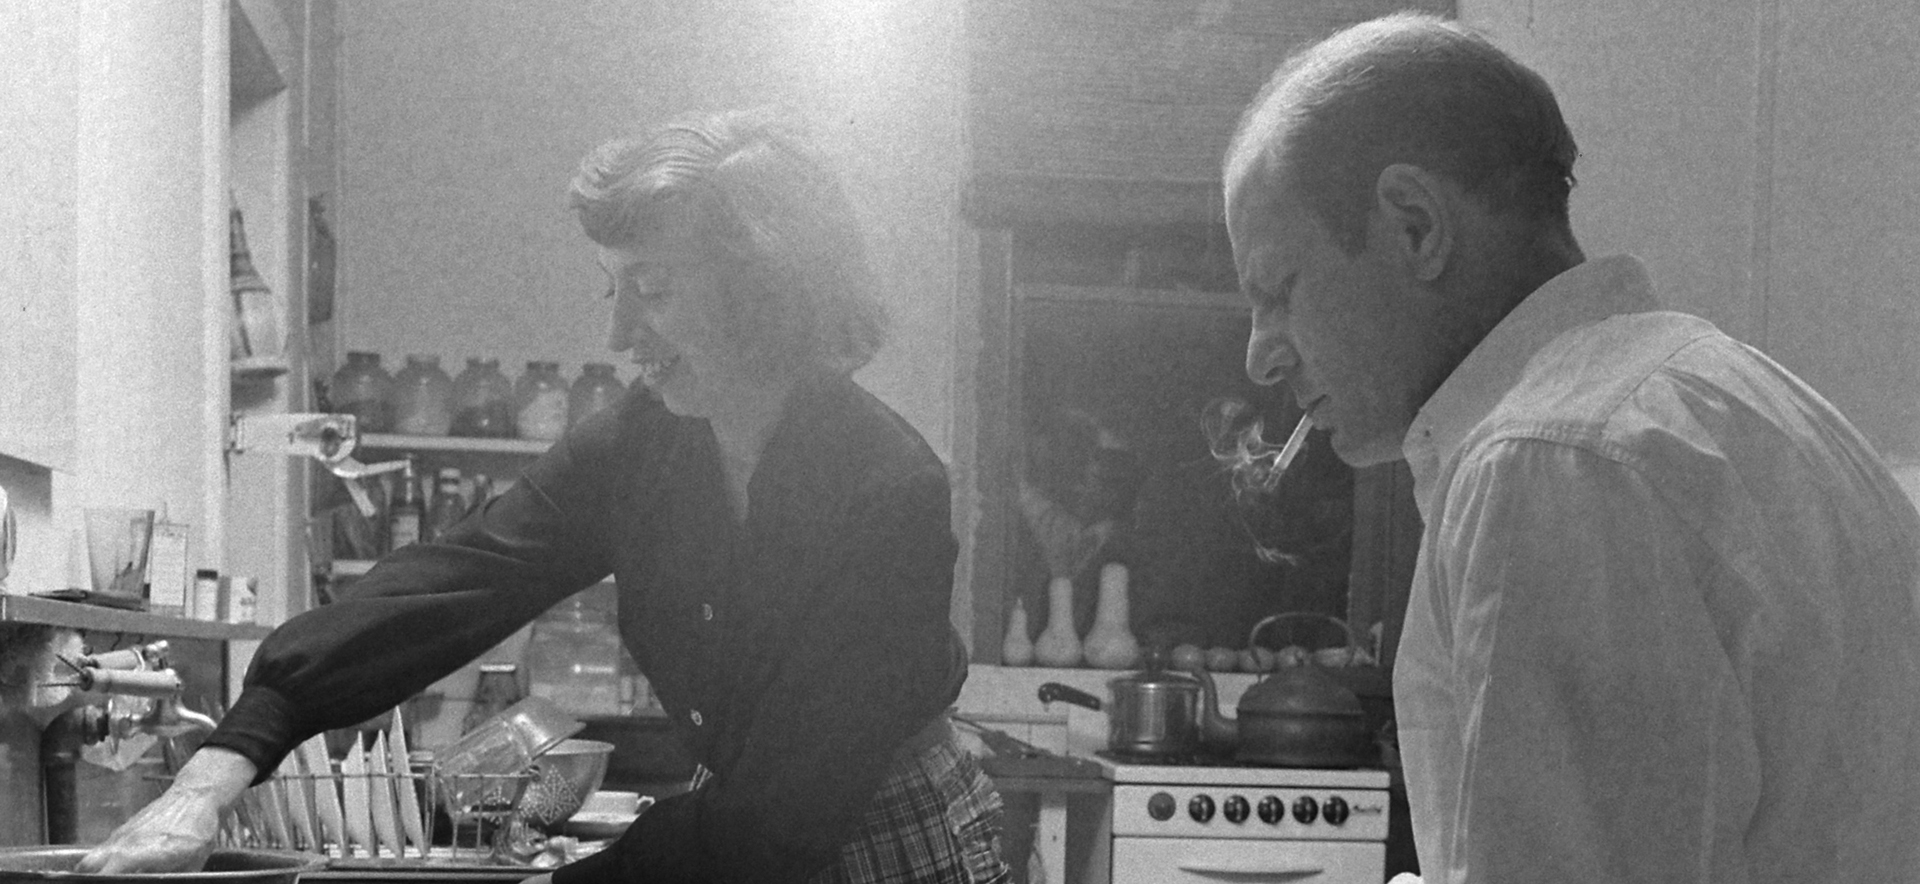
[706,612]
[695,715]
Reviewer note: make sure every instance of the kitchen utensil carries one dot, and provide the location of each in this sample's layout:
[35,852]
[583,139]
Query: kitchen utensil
[1014,757]
[37,865]
[563,777]
[1297,716]
[1155,711]
[616,802]
[117,541]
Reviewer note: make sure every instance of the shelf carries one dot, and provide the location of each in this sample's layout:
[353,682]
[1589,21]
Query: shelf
[93,618]
[258,368]
[454,443]
[1228,302]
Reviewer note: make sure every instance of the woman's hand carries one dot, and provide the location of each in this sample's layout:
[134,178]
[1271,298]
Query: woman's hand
[175,832]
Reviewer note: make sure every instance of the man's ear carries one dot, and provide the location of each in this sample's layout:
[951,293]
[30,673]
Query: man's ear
[1413,219]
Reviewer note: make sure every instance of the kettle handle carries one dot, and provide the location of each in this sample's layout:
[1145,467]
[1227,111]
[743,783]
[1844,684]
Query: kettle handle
[1054,690]
[1253,635]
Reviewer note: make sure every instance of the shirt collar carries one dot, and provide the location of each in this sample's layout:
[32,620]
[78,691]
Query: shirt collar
[1583,294]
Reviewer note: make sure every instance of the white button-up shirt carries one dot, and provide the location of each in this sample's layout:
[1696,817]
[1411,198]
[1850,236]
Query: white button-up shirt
[1663,623]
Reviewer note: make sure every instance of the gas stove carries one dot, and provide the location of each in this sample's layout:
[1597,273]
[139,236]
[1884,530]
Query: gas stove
[1204,818]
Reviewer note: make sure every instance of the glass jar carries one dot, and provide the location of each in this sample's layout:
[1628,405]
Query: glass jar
[596,388]
[422,397]
[497,688]
[361,388]
[482,400]
[540,402]
[573,657]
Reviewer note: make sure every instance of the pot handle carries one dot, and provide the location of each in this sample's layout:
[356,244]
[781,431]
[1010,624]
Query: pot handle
[1054,690]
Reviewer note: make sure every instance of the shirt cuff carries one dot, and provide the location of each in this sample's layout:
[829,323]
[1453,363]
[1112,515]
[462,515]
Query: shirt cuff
[260,727]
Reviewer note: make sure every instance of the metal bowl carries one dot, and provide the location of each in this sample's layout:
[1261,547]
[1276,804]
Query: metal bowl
[563,777]
[39,865]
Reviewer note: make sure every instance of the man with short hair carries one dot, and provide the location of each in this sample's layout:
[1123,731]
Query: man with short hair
[1663,623]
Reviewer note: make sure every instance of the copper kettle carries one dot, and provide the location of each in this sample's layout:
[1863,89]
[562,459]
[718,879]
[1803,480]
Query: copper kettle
[1296,717]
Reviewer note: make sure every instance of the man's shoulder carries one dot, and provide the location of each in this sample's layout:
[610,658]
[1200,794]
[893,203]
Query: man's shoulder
[1583,380]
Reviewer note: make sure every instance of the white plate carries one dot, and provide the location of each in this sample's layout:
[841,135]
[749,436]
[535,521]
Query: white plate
[587,824]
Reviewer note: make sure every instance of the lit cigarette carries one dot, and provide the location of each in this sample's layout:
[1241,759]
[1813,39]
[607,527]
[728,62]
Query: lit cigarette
[1293,445]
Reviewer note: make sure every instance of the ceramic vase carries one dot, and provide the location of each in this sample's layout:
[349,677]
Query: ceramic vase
[1059,644]
[1017,648]
[1110,643]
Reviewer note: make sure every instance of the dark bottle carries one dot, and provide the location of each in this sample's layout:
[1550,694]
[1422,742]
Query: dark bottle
[448,507]
[405,514]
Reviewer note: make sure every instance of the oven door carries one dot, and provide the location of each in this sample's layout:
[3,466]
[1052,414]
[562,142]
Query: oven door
[1165,860]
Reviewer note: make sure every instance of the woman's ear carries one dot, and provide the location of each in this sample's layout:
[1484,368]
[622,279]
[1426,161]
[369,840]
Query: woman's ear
[1412,219]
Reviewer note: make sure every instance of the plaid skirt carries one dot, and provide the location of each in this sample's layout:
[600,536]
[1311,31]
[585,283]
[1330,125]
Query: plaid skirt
[934,820]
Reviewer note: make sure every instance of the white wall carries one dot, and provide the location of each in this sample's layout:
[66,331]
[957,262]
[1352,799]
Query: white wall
[461,122]
[1760,155]
[107,267]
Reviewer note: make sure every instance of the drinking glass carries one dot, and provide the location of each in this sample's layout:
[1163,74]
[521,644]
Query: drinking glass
[117,539]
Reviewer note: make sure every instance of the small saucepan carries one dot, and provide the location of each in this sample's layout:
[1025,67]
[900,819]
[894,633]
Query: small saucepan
[1155,711]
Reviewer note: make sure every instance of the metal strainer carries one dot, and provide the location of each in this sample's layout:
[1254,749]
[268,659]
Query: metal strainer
[563,777]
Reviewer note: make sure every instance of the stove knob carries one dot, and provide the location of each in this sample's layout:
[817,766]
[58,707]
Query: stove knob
[1305,808]
[1160,806]
[1335,810]
[1200,808]
[1272,810]
[1235,809]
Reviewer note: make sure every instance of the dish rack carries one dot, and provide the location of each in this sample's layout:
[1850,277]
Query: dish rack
[378,817]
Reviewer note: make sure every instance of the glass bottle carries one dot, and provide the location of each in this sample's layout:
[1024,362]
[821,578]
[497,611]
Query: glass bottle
[405,513]
[497,689]
[449,505]
[540,402]
[573,657]
[256,315]
[596,388]
[422,397]
[482,400]
[361,388]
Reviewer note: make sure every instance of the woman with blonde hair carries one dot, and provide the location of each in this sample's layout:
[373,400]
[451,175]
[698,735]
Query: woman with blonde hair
[780,539]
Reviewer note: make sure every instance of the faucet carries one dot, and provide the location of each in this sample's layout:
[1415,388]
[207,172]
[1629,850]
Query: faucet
[141,671]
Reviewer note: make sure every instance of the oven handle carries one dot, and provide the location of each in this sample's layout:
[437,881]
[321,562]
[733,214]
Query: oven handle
[1252,871]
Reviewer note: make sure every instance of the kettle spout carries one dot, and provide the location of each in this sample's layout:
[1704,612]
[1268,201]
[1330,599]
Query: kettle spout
[1217,731]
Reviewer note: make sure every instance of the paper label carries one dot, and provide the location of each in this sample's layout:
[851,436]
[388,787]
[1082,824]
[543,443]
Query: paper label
[167,568]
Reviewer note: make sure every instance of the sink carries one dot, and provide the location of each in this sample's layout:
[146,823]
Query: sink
[39,865]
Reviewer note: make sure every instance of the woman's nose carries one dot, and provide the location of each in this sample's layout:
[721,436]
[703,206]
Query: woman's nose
[626,330]
[1270,358]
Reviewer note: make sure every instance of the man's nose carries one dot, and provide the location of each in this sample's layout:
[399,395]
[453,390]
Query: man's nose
[1270,358]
